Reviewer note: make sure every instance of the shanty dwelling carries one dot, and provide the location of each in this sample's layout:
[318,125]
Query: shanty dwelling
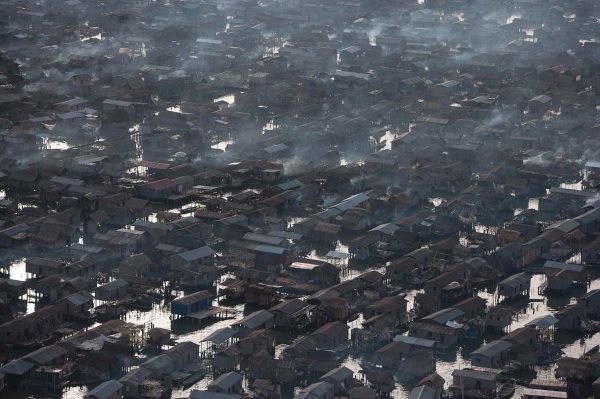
[262,365]
[434,382]
[266,389]
[398,270]
[498,317]
[590,254]
[52,367]
[331,335]
[318,390]
[42,267]
[138,266]
[447,288]
[591,303]
[96,365]
[317,361]
[562,276]
[410,356]
[356,219]
[114,290]
[444,316]
[578,272]
[186,305]
[390,355]
[32,327]
[159,366]
[197,277]
[258,294]
[258,320]
[493,354]
[159,336]
[83,268]
[226,359]
[299,348]
[325,232]
[16,373]
[394,306]
[407,345]
[13,289]
[570,317]
[549,385]
[269,257]
[111,389]
[340,378]
[444,336]
[577,372]
[228,383]
[559,281]
[14,236]
[535,393]
[514,286]
[473,383]
[194,258]
[290,313]
[330,309]
[424,392]
[158,190]
[589,221]
[112,105]
[133,380]
[362,392]
[386,232]
[256,341]
[472,307]
[76,305]
[526,348]
[322,274]
[183,354]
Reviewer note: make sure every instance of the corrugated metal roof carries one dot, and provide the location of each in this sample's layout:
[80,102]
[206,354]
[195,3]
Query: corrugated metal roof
[226,380]
[256,319]
[198,253]
[221,335]
[492,348]
[105,390]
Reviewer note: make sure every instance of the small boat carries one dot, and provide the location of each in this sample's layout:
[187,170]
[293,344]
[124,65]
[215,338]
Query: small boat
[506,389]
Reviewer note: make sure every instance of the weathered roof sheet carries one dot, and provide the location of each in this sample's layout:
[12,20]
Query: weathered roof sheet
[256,319]
[16,367]
[516,279]
[483,375]
[338,374]
[492,348]
[426,343]
[543,393]
[197,254]
[79,298]
[423,392]
[193,298]
[46,354]
[226,380]
[563,266]
[105,390]
[445,315]
[221,335]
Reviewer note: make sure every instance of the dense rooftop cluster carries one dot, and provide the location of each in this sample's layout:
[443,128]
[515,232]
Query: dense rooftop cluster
[227,199]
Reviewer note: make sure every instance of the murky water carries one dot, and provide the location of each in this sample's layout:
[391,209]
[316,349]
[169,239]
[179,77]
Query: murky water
[536,305]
